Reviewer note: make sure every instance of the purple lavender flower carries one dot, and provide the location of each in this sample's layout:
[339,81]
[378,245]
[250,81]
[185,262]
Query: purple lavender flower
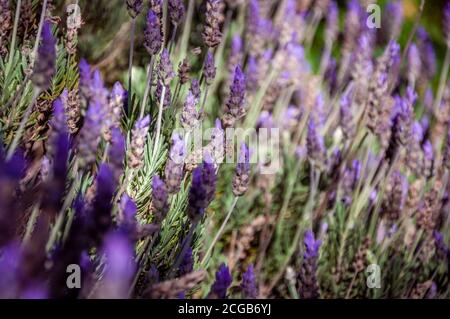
[152,34]
[190,117]
[236,46]
[10,261]
[167,95]
[220,286]
[346,117]
[396,192]
[116,153]
[211,33]
[265,120]
[45,66]
[119,267]
[5,26]
[165,70]
[195,88]
[235,105]
[100,221]
[117,99]
[138,141]
[90,136]
[308,286]
[134,7]
[241,178]
[174,171]
[85,78]
[428,158]
[427,52]
[253,16]
[176,11]
[443,251]
[187,263]
[202,189]
[209,70]
[127,216]
[414,63]
[394,19]
[160,204]
[315,145]
[248,284]
[404,119]
[98,92]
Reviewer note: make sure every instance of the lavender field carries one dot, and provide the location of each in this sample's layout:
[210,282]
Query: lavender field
[254,149]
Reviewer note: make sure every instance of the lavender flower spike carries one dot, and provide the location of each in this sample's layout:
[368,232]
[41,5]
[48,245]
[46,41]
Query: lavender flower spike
[176,11]
[165,70]
[248,284]
[315,145]
[44,68]
[90,136]
[235,106]
[202,189]
[134,7]
[5,26]
[209,71]
[160,204]
[138,140]
[211,33]
[308,286]
[242,176]
[174,171]
[187,264]
[220,286]
[152,34]
[190,117]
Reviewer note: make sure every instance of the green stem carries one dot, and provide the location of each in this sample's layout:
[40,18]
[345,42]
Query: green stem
[220,231]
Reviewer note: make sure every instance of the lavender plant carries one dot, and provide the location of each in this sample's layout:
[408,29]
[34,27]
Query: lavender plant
[120,156]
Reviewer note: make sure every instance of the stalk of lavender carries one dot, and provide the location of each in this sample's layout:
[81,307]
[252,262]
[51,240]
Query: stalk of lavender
[316,146]
[165,74]
[174,170]
[308,287]
[351,30]
[190,117]
[153,43]
[43,73]
[415,65]
[201,193]
[221,284]
[114,109]
[160,203]
[176,14]
[5,26]
[239,185]
[134,7]
[90,137]
[248,285]
[235,105]
[138,140]
[379,109]
[211,32]
[332,29]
